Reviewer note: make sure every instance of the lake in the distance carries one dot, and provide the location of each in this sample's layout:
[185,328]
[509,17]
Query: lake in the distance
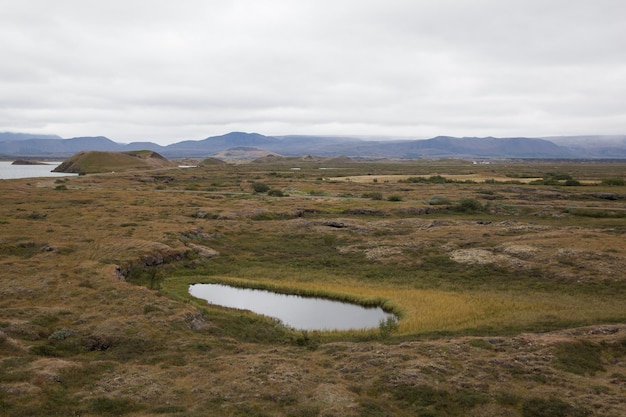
[301,313]
[9,171]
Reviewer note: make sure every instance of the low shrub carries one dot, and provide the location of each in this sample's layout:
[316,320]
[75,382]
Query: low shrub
[438,200]
[276,193]
[373,195]
[425,397]
[552,178]
[596,213]
[579,358]
[481,344]
[613,181]
[554,407]
[468,205]
[388,326]
[114,406]
[433,179]
[260,187]
[35,215]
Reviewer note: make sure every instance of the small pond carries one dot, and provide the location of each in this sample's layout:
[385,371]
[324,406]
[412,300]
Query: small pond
[301,313]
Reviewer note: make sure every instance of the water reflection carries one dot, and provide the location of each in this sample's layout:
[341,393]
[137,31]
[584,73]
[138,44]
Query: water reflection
[294,311]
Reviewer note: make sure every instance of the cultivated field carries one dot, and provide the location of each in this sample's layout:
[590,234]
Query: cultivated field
[508,277]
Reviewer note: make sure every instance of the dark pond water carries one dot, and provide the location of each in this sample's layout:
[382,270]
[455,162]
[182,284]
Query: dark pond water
[294,311]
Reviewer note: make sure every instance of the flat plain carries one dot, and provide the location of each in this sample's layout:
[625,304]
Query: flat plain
[508,279]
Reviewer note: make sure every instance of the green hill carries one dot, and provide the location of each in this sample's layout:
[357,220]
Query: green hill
[91,162]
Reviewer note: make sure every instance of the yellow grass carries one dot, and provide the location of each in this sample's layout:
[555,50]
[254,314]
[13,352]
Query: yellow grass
[427,311]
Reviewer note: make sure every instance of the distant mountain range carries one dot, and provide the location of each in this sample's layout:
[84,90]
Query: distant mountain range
[562,147]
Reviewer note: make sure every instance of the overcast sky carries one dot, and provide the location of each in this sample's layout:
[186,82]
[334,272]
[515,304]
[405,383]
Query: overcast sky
[164,71]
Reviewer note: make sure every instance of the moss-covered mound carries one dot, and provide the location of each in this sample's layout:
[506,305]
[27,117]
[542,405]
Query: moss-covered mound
[243,154]
[211,162]
[91,162]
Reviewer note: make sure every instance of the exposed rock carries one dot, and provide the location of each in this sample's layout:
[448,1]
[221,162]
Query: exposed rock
[520,251]
[477,256]
[197,322]
[336,398]
[364,212]
[301,212]
[203,251]
[436,223]
[156,258]
[609,196]
[61,334]
[336,224]
[380,253]
[418,211]
[19,388]
[200,234]
[50,368]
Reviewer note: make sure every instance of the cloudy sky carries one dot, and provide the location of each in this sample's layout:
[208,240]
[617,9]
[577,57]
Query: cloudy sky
[165,70]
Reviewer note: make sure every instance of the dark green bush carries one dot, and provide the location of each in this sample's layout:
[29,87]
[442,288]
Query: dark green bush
[113,406]
[580,358]
[371,408]
[554,407]
[556,178]
[438,200]
[260,187]
[613,181]
[481,344]
[373,195]
[427,399]
[276,193]
[388,326]
[468,205]
[434,179]
[596,213]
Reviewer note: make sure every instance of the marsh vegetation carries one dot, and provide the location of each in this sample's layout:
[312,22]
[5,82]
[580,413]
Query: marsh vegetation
[508,279]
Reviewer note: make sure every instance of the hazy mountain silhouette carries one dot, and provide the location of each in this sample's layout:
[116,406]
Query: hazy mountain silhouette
[614,147]
[4,136]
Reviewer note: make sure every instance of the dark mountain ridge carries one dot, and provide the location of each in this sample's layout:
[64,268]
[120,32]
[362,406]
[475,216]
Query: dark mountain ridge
[612,147]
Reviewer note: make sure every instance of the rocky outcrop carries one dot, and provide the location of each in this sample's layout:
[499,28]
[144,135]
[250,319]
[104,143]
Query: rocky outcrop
[203,251]
[151,259]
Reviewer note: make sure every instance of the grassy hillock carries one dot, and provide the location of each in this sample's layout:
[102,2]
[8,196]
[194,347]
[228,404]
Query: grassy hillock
[511,293]
[211,162]
[91,162]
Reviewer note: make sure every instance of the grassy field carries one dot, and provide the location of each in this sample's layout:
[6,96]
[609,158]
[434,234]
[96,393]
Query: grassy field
[508,279]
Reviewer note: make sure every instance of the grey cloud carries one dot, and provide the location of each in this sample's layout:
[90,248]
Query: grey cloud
[161,70]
